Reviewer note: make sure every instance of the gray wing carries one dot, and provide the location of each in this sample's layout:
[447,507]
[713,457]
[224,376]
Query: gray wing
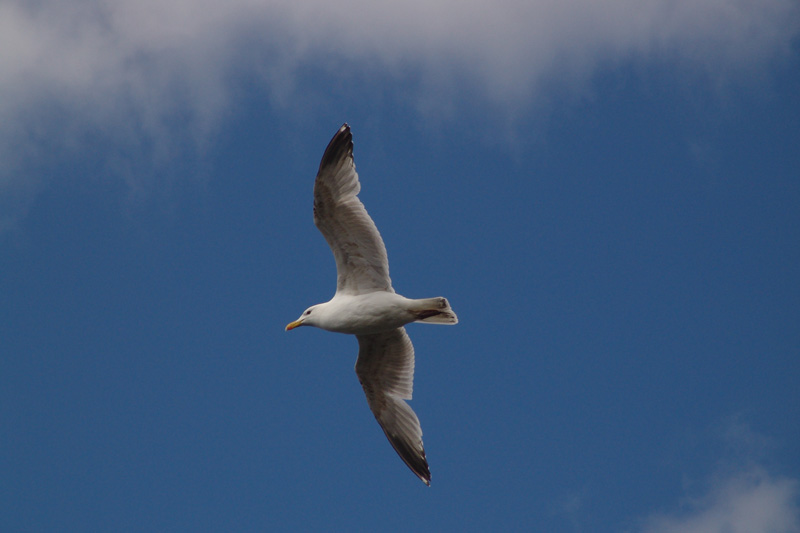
[361,262]
[385,368]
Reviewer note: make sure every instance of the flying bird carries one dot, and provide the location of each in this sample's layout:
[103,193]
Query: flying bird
[365,304]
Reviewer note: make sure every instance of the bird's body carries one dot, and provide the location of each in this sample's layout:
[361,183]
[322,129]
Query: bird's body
[366,305]
[374,312]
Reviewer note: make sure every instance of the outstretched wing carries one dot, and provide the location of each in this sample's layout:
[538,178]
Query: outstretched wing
[361,262]
[385,368]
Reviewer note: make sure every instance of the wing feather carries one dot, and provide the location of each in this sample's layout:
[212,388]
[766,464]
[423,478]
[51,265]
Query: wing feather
[385,368]
[362,265]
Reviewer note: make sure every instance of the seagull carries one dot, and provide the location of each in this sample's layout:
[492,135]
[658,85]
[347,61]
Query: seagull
[365,304]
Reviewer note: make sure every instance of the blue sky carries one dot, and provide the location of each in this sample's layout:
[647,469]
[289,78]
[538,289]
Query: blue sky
[607,195]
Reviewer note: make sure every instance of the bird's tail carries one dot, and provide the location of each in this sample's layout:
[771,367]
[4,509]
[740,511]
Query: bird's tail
[434,311]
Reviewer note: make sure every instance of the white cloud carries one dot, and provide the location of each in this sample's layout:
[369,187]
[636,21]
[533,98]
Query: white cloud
[742,496]
[749,502]
[155,54]
[151,75]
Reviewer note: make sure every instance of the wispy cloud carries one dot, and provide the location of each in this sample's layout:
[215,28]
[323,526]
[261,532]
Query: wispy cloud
[740,496]
[749,502]
[152,75]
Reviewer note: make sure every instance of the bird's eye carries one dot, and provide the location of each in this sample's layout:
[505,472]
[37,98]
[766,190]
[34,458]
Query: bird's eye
[308,312]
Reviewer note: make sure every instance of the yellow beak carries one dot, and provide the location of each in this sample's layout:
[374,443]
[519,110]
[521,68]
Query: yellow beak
[292,325]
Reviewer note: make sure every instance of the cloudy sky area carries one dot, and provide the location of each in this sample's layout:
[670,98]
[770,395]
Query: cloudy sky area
[154,77]
[606,191]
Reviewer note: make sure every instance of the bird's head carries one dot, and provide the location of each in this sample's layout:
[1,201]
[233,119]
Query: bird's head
[306,319]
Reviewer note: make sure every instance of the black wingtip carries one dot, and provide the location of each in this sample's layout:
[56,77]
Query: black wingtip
[341,146]
[416,462]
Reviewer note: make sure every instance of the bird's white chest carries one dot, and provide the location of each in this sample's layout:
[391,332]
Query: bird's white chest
[366,313]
